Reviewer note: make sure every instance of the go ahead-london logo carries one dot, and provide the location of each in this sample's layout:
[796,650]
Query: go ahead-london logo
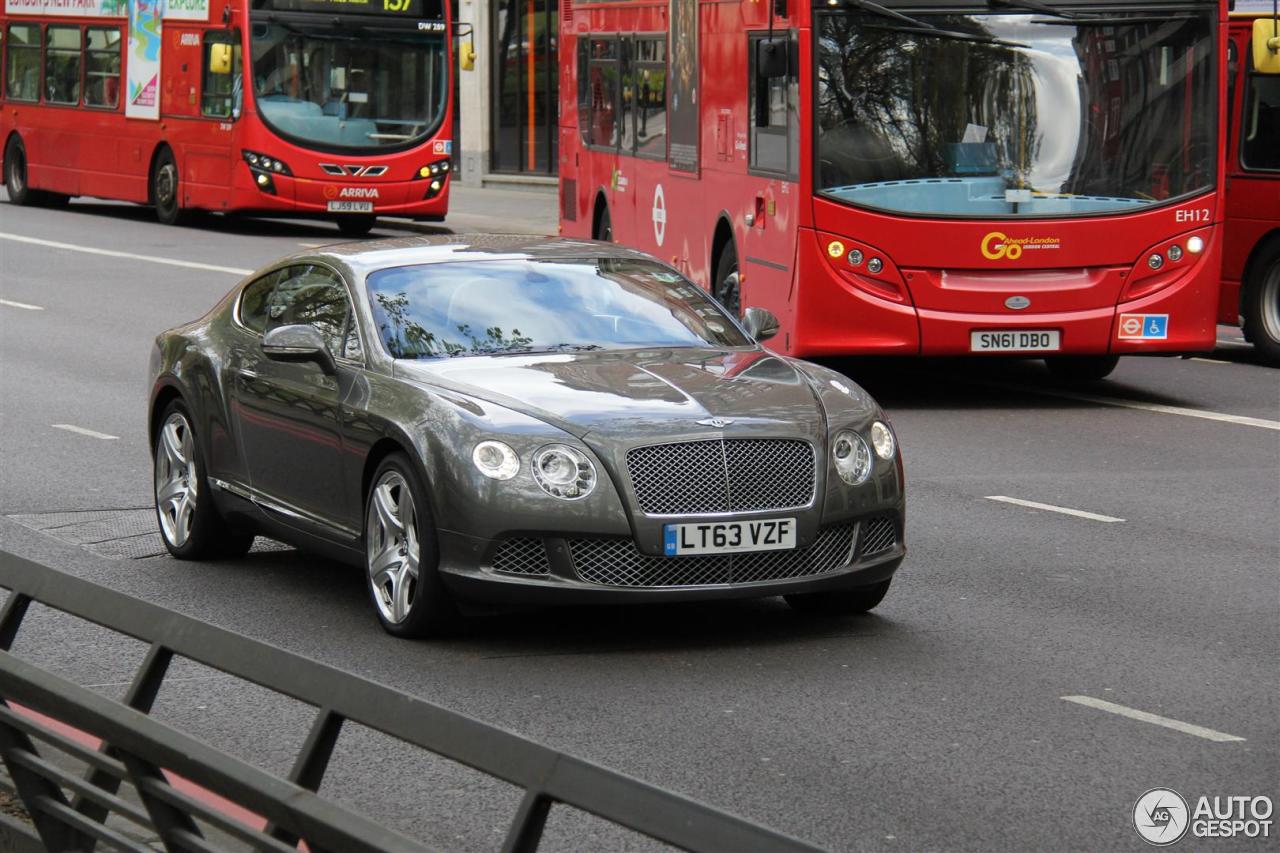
[1162,817]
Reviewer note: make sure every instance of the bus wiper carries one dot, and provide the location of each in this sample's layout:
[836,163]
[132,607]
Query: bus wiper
[1117,20]
[1042,8]
[952,35]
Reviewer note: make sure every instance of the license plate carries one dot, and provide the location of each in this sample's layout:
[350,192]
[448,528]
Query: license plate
[728,537]
[1045,340]
[351,207]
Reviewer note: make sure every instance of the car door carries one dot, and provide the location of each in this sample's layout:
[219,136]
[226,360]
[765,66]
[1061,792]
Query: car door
[288,414]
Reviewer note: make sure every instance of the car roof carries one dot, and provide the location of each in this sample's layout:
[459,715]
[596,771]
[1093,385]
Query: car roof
[369,255]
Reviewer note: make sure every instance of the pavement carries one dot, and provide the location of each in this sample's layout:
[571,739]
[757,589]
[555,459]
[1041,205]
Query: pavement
[940,722]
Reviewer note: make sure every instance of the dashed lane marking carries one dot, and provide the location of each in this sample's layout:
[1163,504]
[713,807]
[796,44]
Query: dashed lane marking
[23,305]
[111,253]
[1161,408]
[1154,719]
[1078,513]
[82,431]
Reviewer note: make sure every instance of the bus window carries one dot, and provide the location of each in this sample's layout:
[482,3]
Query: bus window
[1260,123]
[626,96]
[221,84]
[62,65]
[651,98]
[584,90]
[773,119]
[603,93]
[22,71]
[102,67]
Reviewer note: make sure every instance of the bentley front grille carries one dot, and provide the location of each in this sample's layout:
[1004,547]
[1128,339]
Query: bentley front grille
[723,475]
[522,556]
[617,562]
[879,535]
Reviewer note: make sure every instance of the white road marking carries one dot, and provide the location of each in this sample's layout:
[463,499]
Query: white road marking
[1078,513]
[111,253]
[23,305]
[1242,420]
[83,431]
[1154,719]
[1209,360]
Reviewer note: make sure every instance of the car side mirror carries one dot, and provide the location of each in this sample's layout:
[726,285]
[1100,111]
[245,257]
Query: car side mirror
[298,343]
[760,323]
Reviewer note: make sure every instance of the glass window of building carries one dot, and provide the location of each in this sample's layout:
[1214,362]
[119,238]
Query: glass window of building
[525,85]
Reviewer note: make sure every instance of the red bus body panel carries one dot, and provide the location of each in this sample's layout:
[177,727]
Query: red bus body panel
[936,286]
[99,152]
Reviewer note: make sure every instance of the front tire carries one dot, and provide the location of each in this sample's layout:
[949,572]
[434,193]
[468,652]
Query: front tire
[401,554]
[356,226]
[840,602]
[1260,305]
[604,226]
[15,173]
[1082,368]
[728,288]
[189,523]
[166,193]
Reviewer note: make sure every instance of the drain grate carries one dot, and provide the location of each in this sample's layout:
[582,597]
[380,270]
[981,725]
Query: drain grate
[118,534]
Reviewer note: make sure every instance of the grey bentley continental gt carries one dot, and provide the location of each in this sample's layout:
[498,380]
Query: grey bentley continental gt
[482,420]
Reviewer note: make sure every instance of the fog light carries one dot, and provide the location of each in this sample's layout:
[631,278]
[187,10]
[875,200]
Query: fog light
[1175,252]
[263,180]
[875,265]
[496,460]
[855,257]
[1155,261]
[1195,245]
[835,248]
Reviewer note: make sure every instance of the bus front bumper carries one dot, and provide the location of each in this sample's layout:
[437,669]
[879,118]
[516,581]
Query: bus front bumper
[333,198]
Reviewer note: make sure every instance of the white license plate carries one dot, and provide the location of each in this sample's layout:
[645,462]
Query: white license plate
[1027,340]
[351,207]
[728,537]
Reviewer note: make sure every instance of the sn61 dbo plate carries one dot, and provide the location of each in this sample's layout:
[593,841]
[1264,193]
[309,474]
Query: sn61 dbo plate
[728,537]
[1016,340]
[351,207]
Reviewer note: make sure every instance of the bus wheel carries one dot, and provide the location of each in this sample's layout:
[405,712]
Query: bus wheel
[727,289]
[15,172]
[1082,368]
[356,226]
[165,193]
[1261,306]
[604,226]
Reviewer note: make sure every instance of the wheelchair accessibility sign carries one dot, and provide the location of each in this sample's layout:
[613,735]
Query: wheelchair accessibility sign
[1143,327]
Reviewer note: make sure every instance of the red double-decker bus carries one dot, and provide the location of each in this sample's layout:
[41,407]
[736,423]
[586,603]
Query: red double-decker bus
[922,177]
[1251,245]
[333,108]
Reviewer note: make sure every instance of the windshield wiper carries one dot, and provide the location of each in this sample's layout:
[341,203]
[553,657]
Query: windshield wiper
[915,25]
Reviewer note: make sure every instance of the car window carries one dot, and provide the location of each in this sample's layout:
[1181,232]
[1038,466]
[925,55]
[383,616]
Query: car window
[254,299]
[471,308]
[311,295]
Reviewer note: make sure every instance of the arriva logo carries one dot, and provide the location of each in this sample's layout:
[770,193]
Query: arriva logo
[996,246]
[358,192]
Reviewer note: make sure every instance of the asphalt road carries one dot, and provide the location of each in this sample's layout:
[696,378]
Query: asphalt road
[938,723]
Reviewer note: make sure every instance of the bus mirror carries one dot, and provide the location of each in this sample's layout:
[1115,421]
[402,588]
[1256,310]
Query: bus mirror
[219,58]
[1266,46]
[466,57]
[772,58]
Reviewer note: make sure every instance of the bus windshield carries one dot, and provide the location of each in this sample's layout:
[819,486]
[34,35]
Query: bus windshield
[349,89]
[1014,114]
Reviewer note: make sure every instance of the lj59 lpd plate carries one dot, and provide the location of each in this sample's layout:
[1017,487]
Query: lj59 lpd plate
[728,537]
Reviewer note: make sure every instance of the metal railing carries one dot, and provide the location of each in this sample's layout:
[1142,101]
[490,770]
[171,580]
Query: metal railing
[123,746]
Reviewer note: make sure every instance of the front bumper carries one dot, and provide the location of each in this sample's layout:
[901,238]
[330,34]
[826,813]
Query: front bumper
[311,197]
[552,568]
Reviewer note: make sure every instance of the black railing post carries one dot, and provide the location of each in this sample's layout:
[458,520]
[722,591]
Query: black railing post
[170,822]
[33,788]
[530,820]
[11,617]
[312,761]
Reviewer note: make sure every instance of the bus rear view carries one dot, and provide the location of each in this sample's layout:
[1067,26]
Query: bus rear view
[1016,180]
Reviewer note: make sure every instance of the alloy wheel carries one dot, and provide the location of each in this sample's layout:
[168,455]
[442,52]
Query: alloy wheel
[1271,302]
[176,479]
[391,540]
[166,185]
[17,170]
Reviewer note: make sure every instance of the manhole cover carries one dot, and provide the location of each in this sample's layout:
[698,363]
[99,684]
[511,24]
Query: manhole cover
[120,534]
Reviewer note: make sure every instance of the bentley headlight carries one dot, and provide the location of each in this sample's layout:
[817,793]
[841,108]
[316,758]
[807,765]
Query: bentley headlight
[882,440]
[496,460]
[852,457]
[564,472]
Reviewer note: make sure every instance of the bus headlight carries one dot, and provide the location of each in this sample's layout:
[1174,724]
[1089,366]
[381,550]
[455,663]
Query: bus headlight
[852,457]
[1195,245]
